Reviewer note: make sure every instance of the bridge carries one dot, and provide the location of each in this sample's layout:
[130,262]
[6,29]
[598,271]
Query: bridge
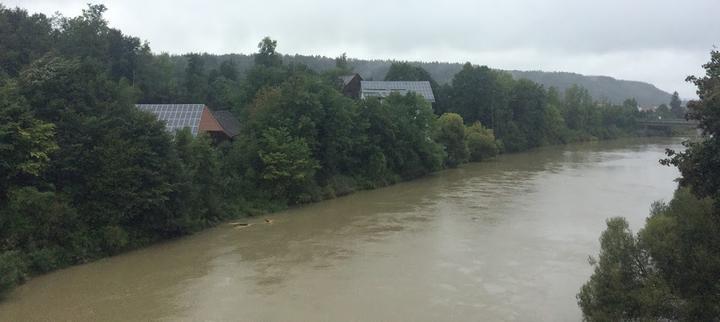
[669,126]
[668,123]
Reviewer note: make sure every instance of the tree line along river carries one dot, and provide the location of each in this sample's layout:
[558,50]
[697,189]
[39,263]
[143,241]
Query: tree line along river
[506,239]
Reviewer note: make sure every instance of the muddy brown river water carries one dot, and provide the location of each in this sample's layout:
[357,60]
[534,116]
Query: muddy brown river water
[504,240]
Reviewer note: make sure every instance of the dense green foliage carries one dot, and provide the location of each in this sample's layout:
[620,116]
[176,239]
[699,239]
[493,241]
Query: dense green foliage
[525,115]
[676,106]
[481,142]
[671,269]
[451,134]
[613,90]
[85,174]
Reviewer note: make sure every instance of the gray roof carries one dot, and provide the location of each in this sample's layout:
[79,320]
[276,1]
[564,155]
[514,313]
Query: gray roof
[385,88]
[347,78]
[176,116]
[228,121]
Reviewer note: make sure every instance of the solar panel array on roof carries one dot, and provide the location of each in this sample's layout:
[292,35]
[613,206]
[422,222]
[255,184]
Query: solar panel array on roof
[385,88]
[176,116]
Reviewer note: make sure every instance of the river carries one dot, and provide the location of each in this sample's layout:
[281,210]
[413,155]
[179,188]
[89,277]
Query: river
[503,240]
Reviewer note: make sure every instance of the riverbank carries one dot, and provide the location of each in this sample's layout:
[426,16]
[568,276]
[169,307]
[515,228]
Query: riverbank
[268,209]
[505,239]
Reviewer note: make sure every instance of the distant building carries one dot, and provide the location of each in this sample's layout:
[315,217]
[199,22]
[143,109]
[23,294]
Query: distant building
[385,88]
[220,125]
[647,109]
[351,85]
[228,122]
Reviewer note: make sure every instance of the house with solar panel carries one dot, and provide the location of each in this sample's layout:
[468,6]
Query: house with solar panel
[385,88]
[354,86]
[220,125]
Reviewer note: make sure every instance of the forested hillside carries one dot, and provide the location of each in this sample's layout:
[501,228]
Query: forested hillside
[600,87]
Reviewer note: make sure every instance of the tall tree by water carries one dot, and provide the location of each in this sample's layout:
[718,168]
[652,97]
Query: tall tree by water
[670,269]
[451,134]
[676,106]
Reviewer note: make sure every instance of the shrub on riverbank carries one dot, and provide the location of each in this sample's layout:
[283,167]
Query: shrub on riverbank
[481,142]
[12,271]
[451,134]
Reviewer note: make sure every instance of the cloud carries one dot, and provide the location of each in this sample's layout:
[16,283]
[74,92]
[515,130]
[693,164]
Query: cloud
[658,41]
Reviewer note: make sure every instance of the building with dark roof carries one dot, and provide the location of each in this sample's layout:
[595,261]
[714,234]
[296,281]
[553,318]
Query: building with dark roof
[351,85]
[385,88]
[228,122]
[197,117]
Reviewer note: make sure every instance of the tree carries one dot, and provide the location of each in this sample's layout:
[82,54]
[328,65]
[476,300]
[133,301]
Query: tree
[670,270]
[287,164]
[24,38]
[114,161]
[310,109]
[699,164]
[451,134]
[195,80]
[556,129]
[577,104]
[683,240]
[89,39]
[268,70]
[26,142]
[13,271]
[477,94]
[528,103]
[404,71]
[342,64]
[224,94]
[43,225]
[401,128]
[267,56]
[228,69]
[155,78]
[201,182]
[630,104]
[481,142]
[676,106]
[621,287]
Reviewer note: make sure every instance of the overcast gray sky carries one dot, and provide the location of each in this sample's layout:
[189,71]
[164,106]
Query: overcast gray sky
[657,41]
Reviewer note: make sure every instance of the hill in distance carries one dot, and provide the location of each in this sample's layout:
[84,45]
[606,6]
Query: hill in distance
[600,87]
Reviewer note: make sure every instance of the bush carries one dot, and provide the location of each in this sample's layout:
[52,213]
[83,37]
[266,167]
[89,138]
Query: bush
[13,271]
[665,272]
[451,134]
[340,185]
[481,142]
[46,259]
[114,239]
[514,139]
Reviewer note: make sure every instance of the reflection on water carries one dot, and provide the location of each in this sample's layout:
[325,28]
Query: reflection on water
[501,240]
